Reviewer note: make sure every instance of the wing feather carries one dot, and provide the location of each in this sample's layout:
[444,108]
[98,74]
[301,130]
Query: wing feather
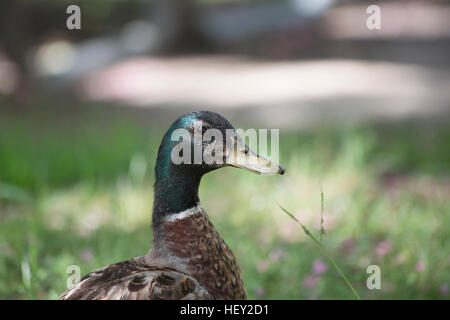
[135,280]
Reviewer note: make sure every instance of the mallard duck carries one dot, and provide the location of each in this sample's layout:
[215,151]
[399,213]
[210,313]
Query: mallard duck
[189,259]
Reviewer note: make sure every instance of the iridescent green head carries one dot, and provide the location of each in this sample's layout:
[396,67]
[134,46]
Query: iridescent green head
[197,143]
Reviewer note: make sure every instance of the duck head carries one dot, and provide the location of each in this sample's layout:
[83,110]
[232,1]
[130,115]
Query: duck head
[197,143]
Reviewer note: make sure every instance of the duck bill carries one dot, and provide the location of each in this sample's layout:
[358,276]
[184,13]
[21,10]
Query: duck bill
[241,156]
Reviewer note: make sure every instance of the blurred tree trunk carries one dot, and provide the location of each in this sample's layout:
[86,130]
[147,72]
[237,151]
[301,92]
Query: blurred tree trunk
[15,35]
[179,30]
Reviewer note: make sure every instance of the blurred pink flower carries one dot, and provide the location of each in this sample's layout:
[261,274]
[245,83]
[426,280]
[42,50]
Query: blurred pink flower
[444,289]
[319,267]
[348,245]
[383,248]
[260,292]
[276,254]
[310,281]
[262,266]
[420,266]
[86,255]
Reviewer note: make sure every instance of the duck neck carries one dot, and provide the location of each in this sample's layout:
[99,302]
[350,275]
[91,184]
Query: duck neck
[176,190]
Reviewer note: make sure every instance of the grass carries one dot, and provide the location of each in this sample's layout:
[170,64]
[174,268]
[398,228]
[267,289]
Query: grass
[82,195]
[319,244]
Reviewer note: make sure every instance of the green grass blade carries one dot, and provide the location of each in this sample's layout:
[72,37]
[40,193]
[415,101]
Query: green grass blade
[322,229]
[335,265]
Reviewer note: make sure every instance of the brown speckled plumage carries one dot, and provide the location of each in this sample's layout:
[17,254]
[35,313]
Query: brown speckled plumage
[135,279]
[189,260]
[208,257]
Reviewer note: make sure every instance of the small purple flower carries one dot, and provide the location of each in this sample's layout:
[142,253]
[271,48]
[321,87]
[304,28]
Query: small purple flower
[260,292]
[86,255]
[348,245]
[276,254]
[420,266]
[383,248]
[444,289]
[310,281]
[319,267]
[262,266]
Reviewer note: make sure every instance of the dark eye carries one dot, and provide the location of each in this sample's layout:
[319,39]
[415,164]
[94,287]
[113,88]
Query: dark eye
[204,129]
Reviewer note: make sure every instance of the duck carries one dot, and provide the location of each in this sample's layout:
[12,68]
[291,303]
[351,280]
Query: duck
[189,260]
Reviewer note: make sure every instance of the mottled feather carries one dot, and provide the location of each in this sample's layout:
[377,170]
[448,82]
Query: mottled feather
[189,260]
[135,280]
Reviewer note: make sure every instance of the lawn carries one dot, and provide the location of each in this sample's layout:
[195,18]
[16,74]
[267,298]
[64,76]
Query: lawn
[80,193]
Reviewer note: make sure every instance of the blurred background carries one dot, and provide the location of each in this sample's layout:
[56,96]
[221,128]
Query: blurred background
[363,114]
